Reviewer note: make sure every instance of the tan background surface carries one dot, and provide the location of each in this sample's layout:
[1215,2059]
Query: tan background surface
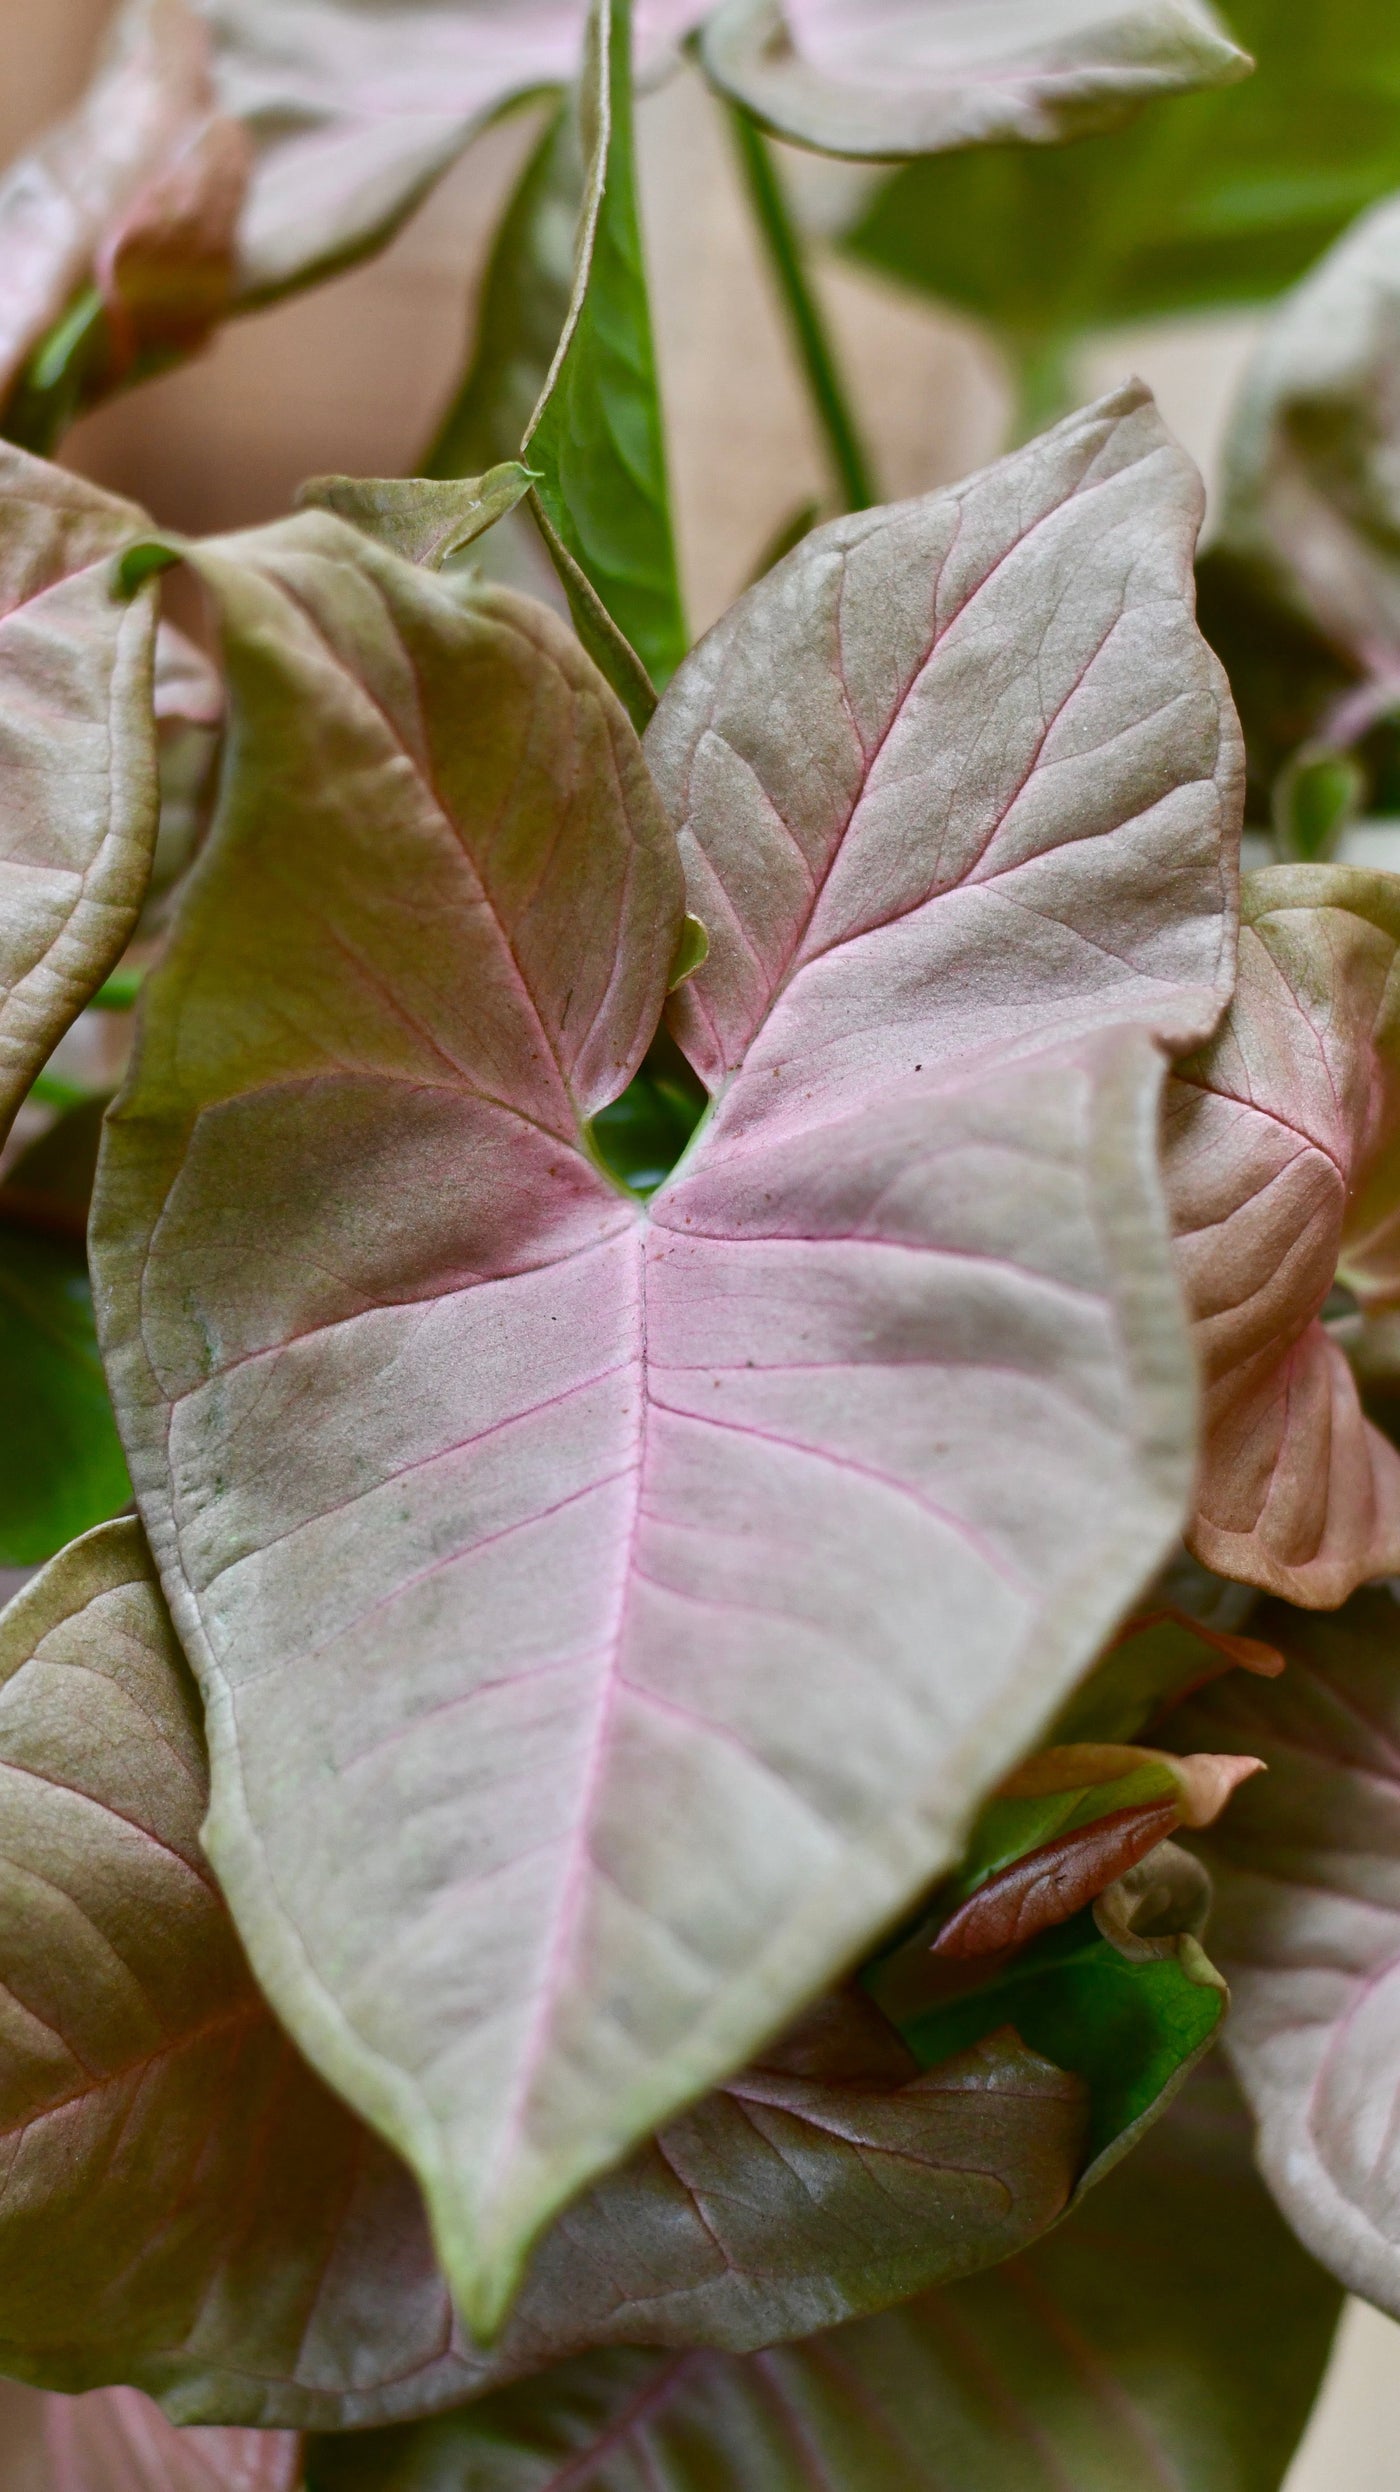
[353,378]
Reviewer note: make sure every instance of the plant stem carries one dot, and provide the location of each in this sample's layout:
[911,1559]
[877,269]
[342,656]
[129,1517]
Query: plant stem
[1043,370]
[809,329]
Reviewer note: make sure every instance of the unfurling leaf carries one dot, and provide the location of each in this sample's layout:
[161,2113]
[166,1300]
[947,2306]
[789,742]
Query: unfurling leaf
[1121,1996]
[1307,1871]
[501,1515]
[78,749]
[1281,1151]
[913,77]
[1109,2356]
[1010,1939]
[275,2263]
[427,522]
[596,438]
[1312,486]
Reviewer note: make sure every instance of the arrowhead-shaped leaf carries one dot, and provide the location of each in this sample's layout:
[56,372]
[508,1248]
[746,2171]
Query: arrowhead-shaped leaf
[1281,1162]
[1312,488]
[1225,197]
[502,1517]
[1307,1869]
[596,437]
[1110,2356]
[274,2261]
[77,745]
[913,77]
[995,732]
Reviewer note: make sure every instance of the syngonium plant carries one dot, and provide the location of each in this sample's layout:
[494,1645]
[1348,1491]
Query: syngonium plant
[609,1881]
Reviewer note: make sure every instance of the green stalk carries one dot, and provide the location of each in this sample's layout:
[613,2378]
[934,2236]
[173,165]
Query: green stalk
[1042,370]
[809,329]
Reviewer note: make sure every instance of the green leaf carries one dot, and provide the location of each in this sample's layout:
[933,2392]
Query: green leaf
[524,310]
[1171,2334]
[1132,2030]
[61,1465]
[426,522]
[1317,797]
[1224,197]
[1156,1662]
[596,436]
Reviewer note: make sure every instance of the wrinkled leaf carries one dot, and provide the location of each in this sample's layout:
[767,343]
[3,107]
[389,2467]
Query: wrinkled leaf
[1111,2356]
[1280,1154]
[428,523]
[84,193]
[913,77]
[1312,483]
[276,2265]
[374,1314]
[77,745]
[1218,198]
[1307,1869]
[596,437]
[61,1465]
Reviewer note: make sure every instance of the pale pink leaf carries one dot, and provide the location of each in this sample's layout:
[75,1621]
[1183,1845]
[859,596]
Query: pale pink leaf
[77,746]
[912,77]
[150,99]
[1280,1146]
[1311,492]
[943,739]
[356,107]
[275,2266]
[505,1519]
[1306,1863]
[115,2440]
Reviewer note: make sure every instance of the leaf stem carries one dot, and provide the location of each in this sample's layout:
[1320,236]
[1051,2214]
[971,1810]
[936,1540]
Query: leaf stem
[809,329]
[1043,372]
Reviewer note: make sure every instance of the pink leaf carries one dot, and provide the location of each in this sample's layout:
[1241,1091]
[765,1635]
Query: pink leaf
[78,750]
[1306,1864]
[912,77]
[1279,1157]
[115,2440]
[652,1587]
